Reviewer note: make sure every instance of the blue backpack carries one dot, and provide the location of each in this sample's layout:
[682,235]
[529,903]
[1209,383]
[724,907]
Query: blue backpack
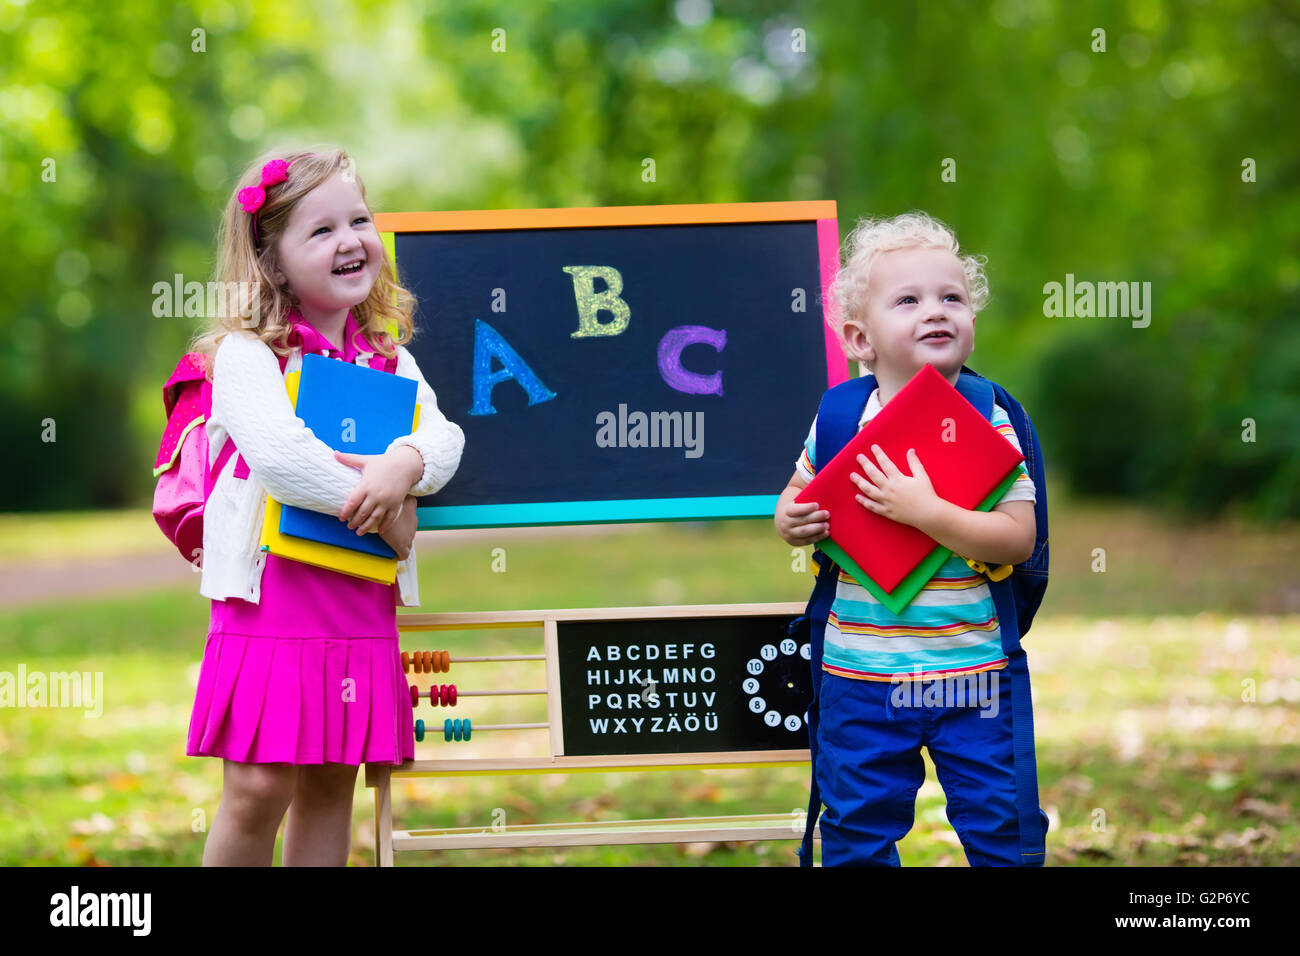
[1017,591]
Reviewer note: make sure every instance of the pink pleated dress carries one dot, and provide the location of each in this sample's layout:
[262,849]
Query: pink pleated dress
[312,673]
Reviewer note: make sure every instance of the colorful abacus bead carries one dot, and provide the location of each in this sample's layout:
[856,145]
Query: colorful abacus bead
[415,696]
[426,662]
[456,729]
[444,695]
[419,731]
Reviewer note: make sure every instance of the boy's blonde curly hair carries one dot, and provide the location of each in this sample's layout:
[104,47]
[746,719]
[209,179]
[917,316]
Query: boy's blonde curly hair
[241,259]
[870,238]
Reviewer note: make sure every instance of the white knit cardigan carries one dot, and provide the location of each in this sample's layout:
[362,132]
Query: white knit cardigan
[250,405]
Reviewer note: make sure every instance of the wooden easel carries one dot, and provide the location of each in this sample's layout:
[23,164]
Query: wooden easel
[674,830]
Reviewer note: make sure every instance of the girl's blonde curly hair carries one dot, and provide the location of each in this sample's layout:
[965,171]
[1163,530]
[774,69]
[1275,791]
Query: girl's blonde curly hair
[871,237]
[241,259]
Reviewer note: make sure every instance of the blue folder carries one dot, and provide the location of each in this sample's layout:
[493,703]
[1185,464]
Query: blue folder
[356,410]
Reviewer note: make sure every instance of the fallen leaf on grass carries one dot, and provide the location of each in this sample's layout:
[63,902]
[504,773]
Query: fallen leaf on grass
[1214,761]
[1076,784]
[98,823]
[124,782]
[1142,840]
[706,792]
[699,849]
[518,803]
[1247,837]
[1060,854]
[1276,812]
[1094,852]
[587,806]
[1287,774]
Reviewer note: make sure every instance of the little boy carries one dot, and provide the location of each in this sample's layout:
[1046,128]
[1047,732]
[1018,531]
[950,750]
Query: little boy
[907,299]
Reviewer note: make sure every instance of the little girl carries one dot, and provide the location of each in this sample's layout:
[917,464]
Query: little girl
[301,678]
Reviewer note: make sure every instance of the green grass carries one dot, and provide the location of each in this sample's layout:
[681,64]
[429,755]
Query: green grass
[1147,752]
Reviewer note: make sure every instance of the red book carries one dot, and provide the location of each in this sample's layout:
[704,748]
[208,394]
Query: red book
[964,455]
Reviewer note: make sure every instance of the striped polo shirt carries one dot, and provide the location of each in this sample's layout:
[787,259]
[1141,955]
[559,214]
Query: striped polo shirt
[949,629]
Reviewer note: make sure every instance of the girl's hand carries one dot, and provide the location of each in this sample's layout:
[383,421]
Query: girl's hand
[401,533]
[385,481]
[907,500]
[800,524]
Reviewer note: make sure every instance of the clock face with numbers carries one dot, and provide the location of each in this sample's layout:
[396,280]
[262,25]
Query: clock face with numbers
[775,682]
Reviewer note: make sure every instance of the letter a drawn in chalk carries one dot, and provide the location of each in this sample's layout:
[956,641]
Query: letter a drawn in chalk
[489,344]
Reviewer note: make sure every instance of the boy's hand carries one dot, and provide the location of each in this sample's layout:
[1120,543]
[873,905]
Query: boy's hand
[385,481]
[907,500]
[401,533]
[800,524]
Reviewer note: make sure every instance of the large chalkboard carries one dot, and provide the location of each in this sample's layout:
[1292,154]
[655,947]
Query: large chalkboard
[623,364]
[697,685]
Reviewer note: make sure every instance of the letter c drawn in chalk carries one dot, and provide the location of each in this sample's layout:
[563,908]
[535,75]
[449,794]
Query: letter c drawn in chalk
[670,359]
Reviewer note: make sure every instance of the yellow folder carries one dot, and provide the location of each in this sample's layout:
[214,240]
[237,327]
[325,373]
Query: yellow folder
[356,563]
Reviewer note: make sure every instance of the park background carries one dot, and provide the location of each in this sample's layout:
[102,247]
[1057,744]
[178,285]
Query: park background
[1166,685]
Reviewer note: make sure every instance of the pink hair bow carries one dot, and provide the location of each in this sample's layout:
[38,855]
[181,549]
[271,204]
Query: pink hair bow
[253,198]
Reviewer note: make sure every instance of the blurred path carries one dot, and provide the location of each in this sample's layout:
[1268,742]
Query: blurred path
[36,582]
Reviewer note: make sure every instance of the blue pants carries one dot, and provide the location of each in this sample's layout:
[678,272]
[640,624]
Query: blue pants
[869,767]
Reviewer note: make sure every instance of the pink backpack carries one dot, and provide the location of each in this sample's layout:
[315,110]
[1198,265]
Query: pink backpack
[185,476]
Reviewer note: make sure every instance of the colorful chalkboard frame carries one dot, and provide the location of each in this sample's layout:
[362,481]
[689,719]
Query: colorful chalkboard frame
[821,214]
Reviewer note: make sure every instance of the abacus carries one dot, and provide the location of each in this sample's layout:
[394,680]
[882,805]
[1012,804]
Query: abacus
[462,730]
[446,695]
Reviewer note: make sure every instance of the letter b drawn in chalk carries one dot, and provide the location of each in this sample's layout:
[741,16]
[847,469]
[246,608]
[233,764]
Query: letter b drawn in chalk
[591,303]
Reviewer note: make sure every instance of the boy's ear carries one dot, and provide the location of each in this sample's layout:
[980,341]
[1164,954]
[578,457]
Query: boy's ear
[855,338]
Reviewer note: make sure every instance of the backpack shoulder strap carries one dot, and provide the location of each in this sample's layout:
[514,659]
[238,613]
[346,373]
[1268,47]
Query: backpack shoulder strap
[1030,580]
[838,414]
[211,473]
[977,390]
